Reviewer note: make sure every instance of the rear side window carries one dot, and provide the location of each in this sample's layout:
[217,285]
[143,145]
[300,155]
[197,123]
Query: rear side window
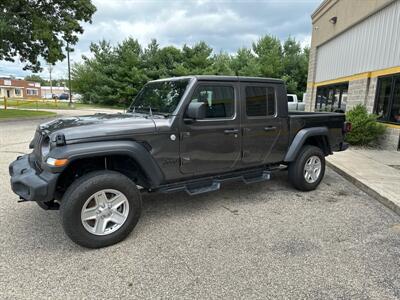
[220,100]
[260,101]
[290,99]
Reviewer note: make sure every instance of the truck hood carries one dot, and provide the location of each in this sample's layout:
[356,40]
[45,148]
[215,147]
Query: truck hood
[98,125]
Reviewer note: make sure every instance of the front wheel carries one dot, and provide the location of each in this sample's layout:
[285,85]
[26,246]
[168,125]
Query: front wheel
[307,171]
[100,209]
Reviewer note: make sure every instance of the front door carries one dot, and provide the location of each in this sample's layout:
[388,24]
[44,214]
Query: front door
[8,93]
[262,128]
[212,144]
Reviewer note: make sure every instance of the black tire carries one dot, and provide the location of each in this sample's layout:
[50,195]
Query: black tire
[81,190]
[296,168]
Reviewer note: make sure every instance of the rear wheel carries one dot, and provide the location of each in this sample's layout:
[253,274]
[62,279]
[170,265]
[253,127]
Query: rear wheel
[307,171]
[100,209]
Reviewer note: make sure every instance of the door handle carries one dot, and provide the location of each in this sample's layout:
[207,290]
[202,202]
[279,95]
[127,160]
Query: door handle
[270,128]
[231,131]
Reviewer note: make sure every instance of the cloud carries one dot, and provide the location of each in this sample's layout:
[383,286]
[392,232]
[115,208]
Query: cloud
[224,25]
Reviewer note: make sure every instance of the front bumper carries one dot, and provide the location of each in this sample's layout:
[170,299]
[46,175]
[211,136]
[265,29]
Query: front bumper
[29,182]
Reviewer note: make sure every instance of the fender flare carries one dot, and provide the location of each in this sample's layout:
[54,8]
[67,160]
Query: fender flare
[133,149]
[300,139]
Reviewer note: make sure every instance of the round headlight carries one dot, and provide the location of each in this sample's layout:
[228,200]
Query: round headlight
[45,148]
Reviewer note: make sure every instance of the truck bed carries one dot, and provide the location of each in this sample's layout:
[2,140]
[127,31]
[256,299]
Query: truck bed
[333,121]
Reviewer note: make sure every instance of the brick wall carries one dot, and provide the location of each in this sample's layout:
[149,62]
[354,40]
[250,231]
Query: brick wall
[23,85]
[390,140]
[357,93]
[370,97]
[311,91]
[362,91]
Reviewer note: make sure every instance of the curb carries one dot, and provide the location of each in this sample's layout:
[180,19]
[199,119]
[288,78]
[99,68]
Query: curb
[371,192]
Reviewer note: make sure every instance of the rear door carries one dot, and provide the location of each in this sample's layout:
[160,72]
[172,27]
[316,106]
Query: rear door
[261,127]
[212,144]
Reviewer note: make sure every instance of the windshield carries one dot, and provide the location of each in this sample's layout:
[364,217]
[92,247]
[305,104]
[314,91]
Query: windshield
[159,97]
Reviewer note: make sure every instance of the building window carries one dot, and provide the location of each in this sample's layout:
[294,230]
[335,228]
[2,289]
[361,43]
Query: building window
[260,101]
[31,92]
[18,92]
[332,97]
[387,101]
[219,100]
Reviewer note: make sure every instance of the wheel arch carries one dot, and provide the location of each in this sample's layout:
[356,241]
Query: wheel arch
[127,157]
[316,136]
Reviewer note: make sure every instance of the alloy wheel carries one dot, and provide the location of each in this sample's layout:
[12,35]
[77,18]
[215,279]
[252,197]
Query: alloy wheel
[312,169]
[105,212]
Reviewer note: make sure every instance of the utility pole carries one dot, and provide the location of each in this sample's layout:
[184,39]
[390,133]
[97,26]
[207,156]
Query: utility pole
[69,77]
[51,82]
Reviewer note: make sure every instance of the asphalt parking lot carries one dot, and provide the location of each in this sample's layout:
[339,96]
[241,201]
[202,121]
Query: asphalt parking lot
[264,240]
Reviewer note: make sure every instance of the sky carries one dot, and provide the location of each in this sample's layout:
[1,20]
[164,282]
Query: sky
[224,25]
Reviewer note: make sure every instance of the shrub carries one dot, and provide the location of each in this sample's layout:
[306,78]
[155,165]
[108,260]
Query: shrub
[365,128]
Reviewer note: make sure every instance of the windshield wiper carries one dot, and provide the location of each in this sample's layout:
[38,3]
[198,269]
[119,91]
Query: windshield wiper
[165,115]
[148,110]
[139,109]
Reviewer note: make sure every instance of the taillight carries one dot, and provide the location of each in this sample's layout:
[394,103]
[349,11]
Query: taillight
[346,127]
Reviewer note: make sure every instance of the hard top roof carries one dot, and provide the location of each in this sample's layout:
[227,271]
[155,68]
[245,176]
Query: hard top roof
[223,78]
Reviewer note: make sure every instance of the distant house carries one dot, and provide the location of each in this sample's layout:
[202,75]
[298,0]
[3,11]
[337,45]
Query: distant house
[48,92]
[18,88]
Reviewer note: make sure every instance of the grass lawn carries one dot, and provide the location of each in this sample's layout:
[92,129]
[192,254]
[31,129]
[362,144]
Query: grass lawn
[20,113]
[48,104]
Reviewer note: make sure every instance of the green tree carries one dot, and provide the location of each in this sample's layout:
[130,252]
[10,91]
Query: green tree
[94,78]
[197,59]
[221,65]
[170,60]
[269,56]
[162,62]
[129,75]
[365,129]
[31,29]
[244,63]
[302,79]
[295,66]
[36,78]
[150,60]
[114,75]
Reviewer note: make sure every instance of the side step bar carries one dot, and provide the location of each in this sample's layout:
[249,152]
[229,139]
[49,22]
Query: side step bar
[209,184]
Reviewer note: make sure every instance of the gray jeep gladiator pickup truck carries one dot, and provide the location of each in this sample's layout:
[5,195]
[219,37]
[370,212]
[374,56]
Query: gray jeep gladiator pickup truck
[180,134]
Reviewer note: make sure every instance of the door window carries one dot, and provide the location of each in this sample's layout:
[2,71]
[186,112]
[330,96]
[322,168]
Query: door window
[219,100]
[260,101]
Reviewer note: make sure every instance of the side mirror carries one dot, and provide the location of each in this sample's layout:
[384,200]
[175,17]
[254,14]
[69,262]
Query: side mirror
[195,111]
